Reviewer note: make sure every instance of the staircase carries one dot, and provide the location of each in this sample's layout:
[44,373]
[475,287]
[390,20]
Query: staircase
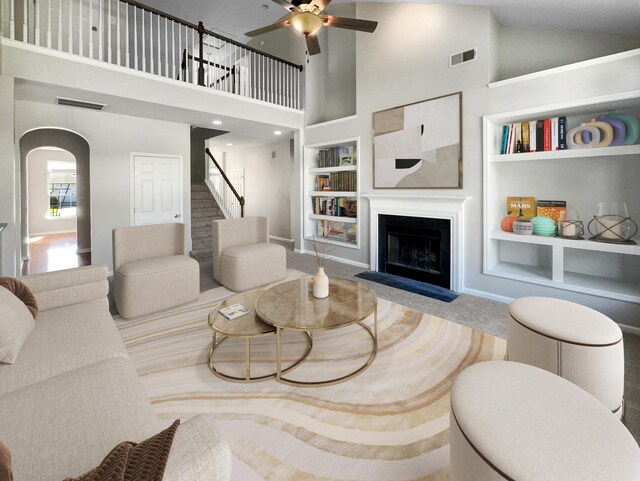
[204,209]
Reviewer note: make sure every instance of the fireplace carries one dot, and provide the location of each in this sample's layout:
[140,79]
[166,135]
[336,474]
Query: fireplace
[416,248]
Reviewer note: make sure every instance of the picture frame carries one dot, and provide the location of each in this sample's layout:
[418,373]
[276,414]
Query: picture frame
[419,145]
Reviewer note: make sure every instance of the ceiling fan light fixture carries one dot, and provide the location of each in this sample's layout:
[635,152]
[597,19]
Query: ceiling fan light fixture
[306,23]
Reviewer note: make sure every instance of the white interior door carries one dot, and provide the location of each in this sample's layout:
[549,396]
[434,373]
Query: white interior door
[157,189]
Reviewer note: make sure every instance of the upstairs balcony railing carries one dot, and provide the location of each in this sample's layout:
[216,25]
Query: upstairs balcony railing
[133,35]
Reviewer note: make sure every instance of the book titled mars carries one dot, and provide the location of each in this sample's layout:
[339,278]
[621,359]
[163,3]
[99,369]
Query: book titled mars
[551,208]
[525,206]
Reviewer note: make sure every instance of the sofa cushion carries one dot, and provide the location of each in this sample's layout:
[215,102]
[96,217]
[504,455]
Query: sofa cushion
[16,323]
[251,250]
[64,426]
[64,339]
[155,265]
[6,473]
[144,461]
[22,292]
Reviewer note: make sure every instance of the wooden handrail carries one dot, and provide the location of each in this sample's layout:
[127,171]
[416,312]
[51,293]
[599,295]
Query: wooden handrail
[168,16]
[226,179]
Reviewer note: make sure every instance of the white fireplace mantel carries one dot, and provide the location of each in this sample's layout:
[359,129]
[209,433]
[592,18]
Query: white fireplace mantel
[434,207]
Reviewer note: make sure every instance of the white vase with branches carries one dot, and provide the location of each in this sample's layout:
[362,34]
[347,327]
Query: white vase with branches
[320,281]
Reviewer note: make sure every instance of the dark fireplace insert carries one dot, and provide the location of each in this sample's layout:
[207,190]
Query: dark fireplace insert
[416,248]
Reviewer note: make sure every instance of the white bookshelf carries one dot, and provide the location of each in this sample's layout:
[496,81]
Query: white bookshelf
[582,177]
[311,170]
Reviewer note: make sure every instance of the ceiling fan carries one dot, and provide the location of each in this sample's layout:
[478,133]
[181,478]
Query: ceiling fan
[305,17]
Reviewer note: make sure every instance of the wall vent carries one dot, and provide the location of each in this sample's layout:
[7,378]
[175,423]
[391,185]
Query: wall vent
[79,103]
[462,57]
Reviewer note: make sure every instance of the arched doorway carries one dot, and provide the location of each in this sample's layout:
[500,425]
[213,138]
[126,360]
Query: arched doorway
[77,146]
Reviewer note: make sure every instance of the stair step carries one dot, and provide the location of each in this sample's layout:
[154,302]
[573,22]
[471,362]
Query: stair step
[198,232]
[201,195]
[200,222]
[206,203]
[201,255]
[201,244]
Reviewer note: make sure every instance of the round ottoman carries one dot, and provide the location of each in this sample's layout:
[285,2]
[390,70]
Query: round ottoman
[572,341]
[511,421]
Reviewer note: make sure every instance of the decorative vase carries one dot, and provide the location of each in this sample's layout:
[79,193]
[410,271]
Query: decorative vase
[612,223]
[576,140]
[632,126]
[320,284]
[523,227]
[619,129]
[606,133]
[543,226]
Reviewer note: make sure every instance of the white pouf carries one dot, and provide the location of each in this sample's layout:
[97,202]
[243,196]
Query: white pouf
[512,421]
[572,341]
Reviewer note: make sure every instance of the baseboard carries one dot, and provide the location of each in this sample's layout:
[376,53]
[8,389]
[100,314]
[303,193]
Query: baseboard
[334,258]
[281,239]
[630,329]
[488,295]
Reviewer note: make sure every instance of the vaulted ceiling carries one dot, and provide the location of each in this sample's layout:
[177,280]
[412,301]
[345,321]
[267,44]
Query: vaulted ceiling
[233,18]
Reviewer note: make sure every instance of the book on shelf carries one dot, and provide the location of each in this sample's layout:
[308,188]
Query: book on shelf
[336,156]
[234,311]
[525,206]
[534,136]
[334,206]
[321,182]
[551,208]
[340,231]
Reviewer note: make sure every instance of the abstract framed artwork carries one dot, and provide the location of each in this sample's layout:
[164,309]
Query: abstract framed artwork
[419,145]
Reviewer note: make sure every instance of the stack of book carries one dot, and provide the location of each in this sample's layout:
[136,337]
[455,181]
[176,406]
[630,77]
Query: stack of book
[343,181]
[534,136]
[336,156]
[335,206]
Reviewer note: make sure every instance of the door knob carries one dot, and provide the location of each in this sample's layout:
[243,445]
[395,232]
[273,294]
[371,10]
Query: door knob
[176,216]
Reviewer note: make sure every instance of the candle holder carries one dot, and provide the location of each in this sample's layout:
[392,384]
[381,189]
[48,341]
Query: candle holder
[570,229]
[612,223]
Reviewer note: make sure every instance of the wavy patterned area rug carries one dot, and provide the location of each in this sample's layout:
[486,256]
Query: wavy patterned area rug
[390,423]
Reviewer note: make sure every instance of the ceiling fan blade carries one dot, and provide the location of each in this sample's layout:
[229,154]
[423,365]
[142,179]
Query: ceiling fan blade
[283,22]
[320,4]
[286,5]
[313,46]
[350,23]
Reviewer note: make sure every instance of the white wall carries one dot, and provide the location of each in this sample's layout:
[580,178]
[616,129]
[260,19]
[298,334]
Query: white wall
[38,188]
[10,244]
[267,183]
[525,50]
[406,60]
[111,138]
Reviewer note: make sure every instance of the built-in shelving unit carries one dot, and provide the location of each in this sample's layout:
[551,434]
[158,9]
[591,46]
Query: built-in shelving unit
[332,225]
[581,177]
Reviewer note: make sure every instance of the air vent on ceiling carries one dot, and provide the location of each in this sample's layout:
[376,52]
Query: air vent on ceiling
[79,103]
[462,57]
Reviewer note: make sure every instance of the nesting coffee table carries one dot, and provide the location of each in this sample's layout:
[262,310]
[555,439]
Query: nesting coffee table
[291,306]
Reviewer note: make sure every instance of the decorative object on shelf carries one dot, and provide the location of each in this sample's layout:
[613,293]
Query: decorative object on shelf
[419,145]
[632,126]
[544,226]
[606,133]
[506,224]
[611,223]
[551,208]
[523,227]
[320,282]
[570,226]
[526,206]
[575,139]
[619,129]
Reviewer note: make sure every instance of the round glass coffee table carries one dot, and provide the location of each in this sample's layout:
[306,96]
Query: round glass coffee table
[247,327]
[291,306]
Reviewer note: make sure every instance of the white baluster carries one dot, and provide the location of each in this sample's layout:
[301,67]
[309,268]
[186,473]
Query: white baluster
[109,48]
[151,67]
[159,49]
[209,82]
[37,39]
[173,49]
[166,47]
[194,77]
[100,31]
[180,50]
[90,28]
[118,54]
[144,41]
[49,24]
[126,31]
[135,37]
[80,28]
[70,33]
[12,21]
[59,24]
[25,16]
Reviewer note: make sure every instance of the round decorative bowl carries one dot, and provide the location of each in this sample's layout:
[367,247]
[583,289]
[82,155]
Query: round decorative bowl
[544,226]
[523,227]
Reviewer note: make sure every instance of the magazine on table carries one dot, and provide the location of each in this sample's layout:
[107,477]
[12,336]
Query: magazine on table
[234,311]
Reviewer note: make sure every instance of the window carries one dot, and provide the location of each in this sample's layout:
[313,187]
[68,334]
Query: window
[62,189]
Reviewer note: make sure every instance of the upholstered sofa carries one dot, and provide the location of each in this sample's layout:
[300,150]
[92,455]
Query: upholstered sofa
[73,392]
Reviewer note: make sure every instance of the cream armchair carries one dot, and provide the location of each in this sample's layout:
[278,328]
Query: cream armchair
[150,269]
[243,258]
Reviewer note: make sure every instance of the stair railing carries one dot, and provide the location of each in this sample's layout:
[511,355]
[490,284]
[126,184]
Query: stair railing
[230,201]
[132,35]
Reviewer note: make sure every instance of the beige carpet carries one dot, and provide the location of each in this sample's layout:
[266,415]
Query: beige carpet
[389,423]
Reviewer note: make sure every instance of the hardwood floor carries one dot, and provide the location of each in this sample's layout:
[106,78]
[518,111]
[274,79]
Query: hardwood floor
[54,252]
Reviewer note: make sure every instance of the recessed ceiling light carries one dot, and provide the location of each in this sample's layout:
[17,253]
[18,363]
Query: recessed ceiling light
[278,132]
[229,145]
[217,122]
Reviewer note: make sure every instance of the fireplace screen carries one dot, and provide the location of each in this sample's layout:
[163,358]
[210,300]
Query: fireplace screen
[414,252]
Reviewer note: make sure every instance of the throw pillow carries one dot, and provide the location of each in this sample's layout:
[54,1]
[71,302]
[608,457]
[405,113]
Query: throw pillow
[135,462]
[16,323]
[22,292]
[5,463]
